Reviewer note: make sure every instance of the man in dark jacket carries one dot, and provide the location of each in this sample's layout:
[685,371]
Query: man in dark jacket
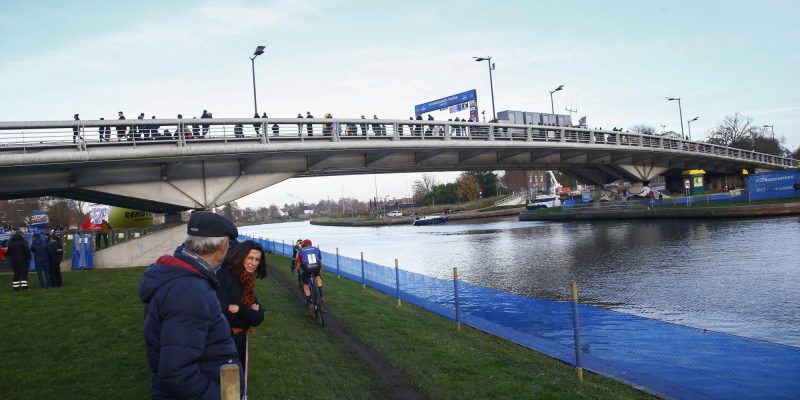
[187,336]
[20,255]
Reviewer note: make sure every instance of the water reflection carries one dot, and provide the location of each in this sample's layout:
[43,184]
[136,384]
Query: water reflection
[737,276]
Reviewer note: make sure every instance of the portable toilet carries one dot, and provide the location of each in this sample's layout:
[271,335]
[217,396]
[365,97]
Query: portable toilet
[695,179]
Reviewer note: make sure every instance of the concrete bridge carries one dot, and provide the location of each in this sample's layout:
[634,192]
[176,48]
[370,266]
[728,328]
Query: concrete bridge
[208,162]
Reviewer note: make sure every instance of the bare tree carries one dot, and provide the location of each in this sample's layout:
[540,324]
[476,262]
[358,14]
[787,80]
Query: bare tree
[735,131]
[422,187]
[643,129]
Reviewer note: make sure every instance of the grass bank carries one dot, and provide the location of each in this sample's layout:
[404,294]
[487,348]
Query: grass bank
[85,341]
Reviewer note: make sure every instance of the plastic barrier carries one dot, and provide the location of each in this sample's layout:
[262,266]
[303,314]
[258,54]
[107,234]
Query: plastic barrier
[668,359]
[82,246]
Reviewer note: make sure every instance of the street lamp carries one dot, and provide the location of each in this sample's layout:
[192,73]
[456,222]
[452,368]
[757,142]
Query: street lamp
[552,109]
[259,51]
[680,111]
[772,128]
[689,123]
[491,85]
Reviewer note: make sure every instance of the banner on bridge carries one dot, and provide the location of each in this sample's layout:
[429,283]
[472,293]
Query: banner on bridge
[470,97]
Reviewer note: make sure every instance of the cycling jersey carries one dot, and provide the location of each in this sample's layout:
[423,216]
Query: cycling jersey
[310,258]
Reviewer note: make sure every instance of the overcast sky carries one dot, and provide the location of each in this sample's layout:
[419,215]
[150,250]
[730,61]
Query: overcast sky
[617,60]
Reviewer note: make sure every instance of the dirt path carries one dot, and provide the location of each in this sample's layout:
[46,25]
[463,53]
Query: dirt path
[395,383]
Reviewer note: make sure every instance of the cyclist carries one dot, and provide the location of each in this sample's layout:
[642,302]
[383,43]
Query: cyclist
[309,263]
[293,267]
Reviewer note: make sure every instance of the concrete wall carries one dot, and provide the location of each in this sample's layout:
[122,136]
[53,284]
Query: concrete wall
[138,252]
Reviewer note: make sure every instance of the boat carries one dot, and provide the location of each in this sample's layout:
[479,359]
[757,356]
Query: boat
[549,199]
[433,220]
[543,201]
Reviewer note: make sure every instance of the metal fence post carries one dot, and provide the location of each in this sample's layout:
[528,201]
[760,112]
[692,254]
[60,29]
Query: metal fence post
[363,281]
[283,247]
[576,328]
[455,292]
[337,263]
[397,280]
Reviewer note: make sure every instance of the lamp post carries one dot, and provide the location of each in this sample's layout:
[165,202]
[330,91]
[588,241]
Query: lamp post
[680,112]
[772,128]
[553,109]
[689,123]
[491,85]
[259,51]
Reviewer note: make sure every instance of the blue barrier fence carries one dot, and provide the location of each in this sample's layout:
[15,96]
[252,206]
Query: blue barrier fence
[668,359]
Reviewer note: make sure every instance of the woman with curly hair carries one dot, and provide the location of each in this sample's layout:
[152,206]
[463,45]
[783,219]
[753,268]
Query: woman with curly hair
[236,292]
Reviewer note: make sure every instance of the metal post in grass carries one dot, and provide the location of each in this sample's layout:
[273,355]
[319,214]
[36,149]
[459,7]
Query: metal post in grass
[283,247]
[397,280]
[337,263]
[576,329]
[363,281]
[229,382]
[455,292]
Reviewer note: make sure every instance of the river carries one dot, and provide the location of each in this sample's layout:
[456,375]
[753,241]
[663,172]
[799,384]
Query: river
[735,276]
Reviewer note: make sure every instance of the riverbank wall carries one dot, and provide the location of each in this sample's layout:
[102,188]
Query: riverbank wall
[408,220]
[735,211]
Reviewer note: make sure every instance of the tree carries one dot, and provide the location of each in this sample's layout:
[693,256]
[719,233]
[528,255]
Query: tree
[643,129]
[735,131]
[487,181]
[423,187]
[797,153]
[232,211]
[467,188]
[61,214]
[767,145]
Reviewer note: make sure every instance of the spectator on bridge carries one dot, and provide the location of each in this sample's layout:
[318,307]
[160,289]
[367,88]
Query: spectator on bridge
[187,337]
[363,127]
[418,128]
[121,128]
[75,129]
[195,129]
[154,129]
[327,129]
[39,249]
[205,115]
[299,126]
[378,129]
[104,132]
[309,128]
[238,130]
[257,126]
[55,253]
[275,130]
[139,130]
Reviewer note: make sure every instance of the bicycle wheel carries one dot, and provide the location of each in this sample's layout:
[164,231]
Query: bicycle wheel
[318,314]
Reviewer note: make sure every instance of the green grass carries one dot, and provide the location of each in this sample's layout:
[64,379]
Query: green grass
[84,341]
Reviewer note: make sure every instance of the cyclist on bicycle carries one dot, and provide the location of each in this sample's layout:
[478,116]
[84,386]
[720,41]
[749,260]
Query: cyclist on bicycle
[309,263]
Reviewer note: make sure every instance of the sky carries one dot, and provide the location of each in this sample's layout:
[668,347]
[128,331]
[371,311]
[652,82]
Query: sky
[617,60]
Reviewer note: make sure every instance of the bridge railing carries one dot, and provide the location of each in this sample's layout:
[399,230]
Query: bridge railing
[27,136]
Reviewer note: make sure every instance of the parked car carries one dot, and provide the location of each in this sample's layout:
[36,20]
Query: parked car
[395,213]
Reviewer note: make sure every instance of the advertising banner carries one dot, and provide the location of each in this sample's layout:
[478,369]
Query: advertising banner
[774,185]
[445,102]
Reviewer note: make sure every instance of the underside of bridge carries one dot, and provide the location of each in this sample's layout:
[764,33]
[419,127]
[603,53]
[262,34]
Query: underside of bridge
[164,178]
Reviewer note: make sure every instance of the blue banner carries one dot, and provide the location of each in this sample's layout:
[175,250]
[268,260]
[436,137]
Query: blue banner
[774,185]
[445,102]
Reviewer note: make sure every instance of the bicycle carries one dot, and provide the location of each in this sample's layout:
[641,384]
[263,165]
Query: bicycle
[315,310]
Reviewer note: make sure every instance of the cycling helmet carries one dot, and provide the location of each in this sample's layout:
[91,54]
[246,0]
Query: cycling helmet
[306,242]
[298,242]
